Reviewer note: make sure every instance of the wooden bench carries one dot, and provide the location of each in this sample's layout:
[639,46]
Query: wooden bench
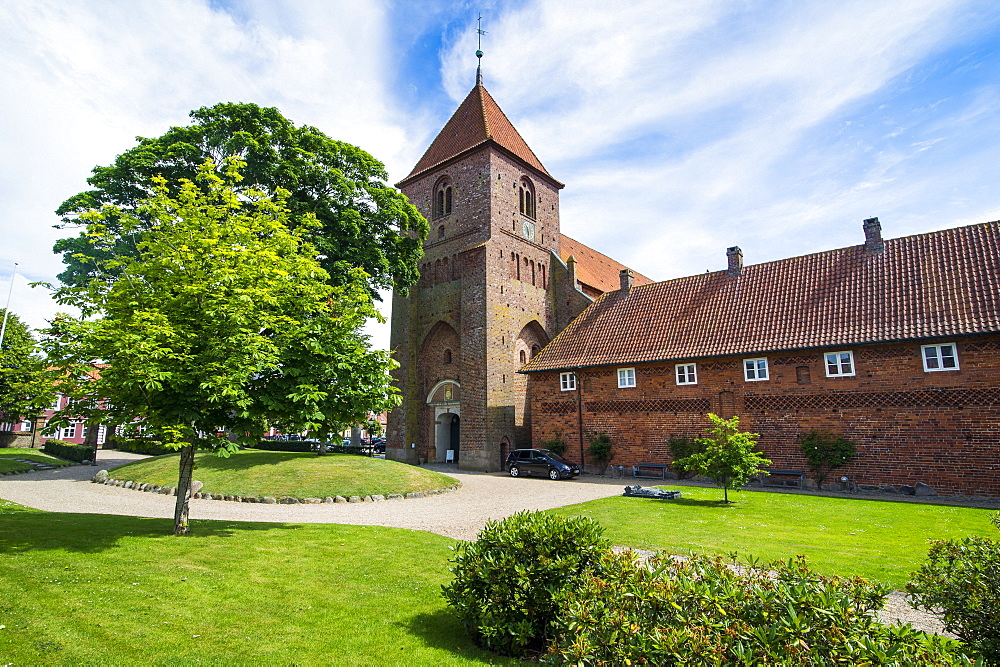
[786,477]
[659,468]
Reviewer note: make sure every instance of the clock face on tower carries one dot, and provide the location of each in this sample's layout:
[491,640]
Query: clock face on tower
[528,230]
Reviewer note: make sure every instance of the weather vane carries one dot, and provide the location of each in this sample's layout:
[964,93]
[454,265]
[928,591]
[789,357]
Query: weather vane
[480,32]
[479,52]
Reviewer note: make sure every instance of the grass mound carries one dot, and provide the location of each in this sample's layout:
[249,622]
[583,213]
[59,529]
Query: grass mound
[295,474]
[28,454]
[117,590]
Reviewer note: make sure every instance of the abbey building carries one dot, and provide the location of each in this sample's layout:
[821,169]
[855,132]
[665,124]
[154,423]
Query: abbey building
[893,344]
[498,281]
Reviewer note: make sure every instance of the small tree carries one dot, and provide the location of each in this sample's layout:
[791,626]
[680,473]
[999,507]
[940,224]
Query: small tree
[681,447]
[221,321]
[25,385]
[729,458]
[825,450]
[600,450]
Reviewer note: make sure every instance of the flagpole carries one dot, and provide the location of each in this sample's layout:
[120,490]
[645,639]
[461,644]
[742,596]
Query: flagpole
[6,310]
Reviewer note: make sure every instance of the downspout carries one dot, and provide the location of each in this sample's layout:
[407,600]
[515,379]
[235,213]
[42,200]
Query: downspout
[579,413]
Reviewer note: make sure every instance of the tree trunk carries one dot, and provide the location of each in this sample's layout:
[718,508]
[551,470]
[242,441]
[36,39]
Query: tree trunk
[184,490]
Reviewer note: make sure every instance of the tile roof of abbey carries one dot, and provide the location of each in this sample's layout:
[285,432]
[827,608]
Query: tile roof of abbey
[940,284]
[477,121]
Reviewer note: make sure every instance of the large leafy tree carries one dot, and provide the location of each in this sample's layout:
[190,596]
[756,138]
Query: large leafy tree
[222,320]
[25,385]
[362,221]
[727,457]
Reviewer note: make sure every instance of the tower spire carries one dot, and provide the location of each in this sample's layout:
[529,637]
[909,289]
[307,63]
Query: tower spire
[479,51]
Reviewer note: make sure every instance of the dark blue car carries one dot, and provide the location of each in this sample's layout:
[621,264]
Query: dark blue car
[540,462]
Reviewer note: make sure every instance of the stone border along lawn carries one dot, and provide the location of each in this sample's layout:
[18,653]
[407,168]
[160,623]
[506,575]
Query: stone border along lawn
[102,478]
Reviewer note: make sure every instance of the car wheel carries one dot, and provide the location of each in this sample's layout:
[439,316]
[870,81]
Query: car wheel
[553,474]
[514,471]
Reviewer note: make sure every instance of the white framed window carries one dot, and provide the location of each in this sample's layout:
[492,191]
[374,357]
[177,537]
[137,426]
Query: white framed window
[686,373]
[68,432]
[839,364]
[626,377]
[567,381]
[55,403]
[27,425]
[940,357]
[755,370]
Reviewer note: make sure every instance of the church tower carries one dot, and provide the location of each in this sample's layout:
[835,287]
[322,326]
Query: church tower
[488,295]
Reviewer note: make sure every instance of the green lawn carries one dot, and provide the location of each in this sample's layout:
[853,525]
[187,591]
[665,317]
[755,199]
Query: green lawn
[94,589]
[8,453]
[879,540]
[299,475]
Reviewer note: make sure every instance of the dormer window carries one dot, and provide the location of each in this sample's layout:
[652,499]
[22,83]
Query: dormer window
[442,197]
[526,198]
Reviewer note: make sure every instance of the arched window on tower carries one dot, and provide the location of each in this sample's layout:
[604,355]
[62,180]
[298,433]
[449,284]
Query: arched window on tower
[447,356]
[523,357]
[442,197]
[526,198]
[534,351]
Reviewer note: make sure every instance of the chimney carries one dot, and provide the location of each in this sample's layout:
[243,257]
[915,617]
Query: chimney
[735,256]
[627,279]
[873,236]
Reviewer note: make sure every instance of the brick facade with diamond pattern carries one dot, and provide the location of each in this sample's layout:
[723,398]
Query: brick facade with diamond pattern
[941,428]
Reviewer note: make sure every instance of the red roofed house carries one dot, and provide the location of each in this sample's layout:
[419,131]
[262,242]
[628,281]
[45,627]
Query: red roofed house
[498,281]
[895,344]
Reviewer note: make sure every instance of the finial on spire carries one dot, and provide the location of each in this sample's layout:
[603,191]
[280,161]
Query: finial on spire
[479,51]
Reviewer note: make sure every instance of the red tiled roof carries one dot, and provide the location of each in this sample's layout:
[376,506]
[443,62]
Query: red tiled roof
[594,269]
[944,283]
[477,120]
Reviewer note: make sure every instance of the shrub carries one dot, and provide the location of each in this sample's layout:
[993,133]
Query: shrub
[142,446]
[508,581]
[600,449]
[704,611]
[682,447]
[557,445]
[961,579]
[68,450]
[826,450]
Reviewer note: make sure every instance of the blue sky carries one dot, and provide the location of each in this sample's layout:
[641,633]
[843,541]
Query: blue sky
[679,127]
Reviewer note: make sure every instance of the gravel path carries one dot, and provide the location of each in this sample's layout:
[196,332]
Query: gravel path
[460,515]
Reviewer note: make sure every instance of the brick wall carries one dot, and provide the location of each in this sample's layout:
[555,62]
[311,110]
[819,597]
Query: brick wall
[941,428]
[486,290]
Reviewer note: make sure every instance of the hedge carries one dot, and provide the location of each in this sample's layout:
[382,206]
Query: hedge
[311,446]
[141,446]
[68,451]
[284,445]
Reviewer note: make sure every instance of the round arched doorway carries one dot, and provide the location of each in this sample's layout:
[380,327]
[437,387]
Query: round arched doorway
[444,401]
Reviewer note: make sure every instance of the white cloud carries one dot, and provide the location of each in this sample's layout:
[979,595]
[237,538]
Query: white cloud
[692,124]
[86,78]
[705,124]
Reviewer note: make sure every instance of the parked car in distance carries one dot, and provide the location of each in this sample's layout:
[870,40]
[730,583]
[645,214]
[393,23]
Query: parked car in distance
[540,462]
